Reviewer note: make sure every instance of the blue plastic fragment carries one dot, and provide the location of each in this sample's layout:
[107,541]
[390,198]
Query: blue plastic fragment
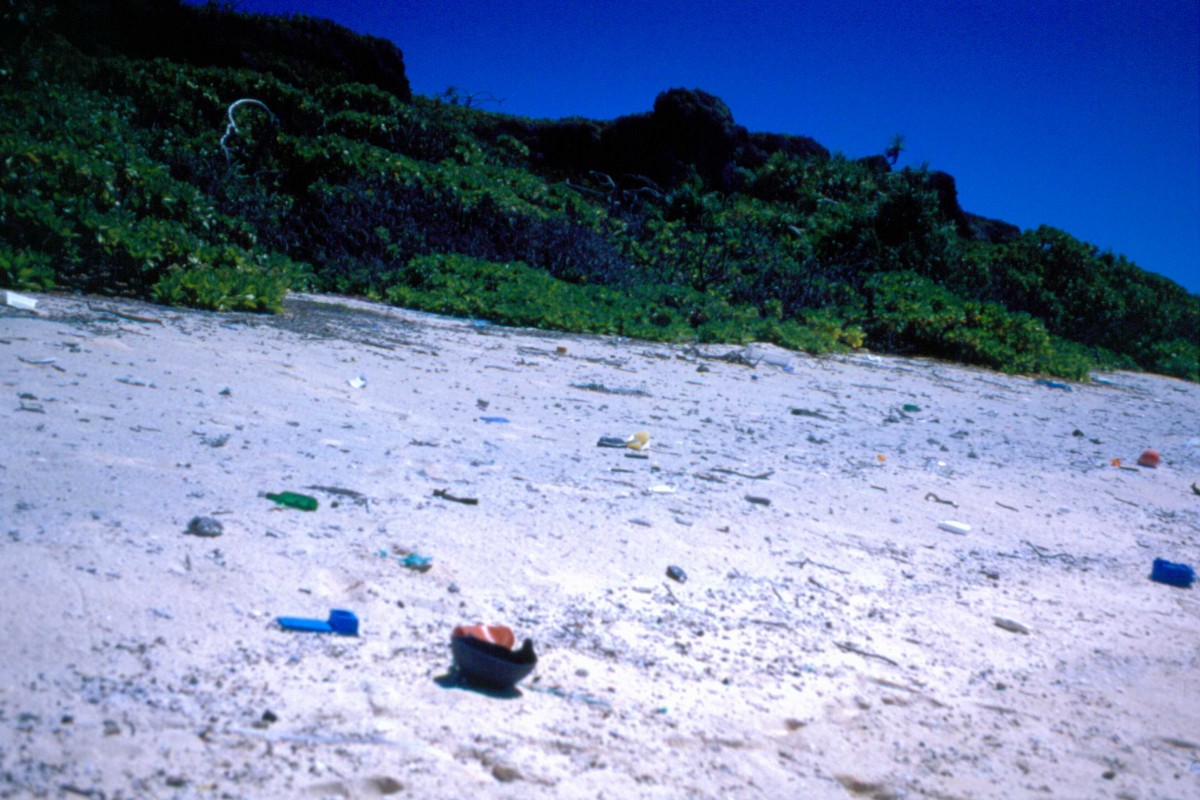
[341,622]
[1173,574]
[1052,384]
[498,420]
[418,562]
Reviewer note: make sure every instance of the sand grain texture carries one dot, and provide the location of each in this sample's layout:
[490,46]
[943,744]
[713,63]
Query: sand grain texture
[831,639]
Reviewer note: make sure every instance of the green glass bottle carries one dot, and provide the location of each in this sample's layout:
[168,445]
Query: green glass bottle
[293,500]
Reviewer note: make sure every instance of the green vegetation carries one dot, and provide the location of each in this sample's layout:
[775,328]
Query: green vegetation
[673,225]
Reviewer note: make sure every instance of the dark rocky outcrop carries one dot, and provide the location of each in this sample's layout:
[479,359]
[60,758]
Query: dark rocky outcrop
[764,145]
[993,231]
[299,50]
[946,189]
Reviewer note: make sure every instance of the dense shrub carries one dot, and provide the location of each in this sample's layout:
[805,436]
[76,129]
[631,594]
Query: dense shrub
[123,175]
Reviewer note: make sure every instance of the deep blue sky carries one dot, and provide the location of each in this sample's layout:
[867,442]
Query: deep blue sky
[1081,114]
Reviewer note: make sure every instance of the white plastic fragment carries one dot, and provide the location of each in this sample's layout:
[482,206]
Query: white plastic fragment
[19,301]
[961,528]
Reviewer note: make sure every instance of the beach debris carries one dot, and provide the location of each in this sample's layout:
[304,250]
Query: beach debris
[808,412]
[761,476]
[676,574]
[47,362]
[27,403]
[1173,574]
[600,387]
[495,420]
[1149,458]
[357,383]
[125,314]
[20,301]
[204,526]
[357,497]
[1010,625]
[758,501]
[638,441]
[484,656]
[848,647]
[341,622]
[444,494]
[295,500]
[1052,384]
[961,528]
[214,442]
[936,499]
[910,408]
[417,562]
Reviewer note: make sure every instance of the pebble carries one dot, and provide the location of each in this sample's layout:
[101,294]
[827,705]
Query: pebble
[205,526]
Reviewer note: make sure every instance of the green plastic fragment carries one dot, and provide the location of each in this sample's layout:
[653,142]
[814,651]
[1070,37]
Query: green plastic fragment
[294,500]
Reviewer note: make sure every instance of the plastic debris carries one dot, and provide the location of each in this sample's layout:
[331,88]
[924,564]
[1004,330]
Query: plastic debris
[1173,574]
[416,562]
[483,655]
[20,301]
[341,622]
[445,495]
[961,528]
[1149,458]
[1052,384]
[293,500]
[758,501]
[205,526]
[638,441]
[677,574]
[495,420]
[357,383]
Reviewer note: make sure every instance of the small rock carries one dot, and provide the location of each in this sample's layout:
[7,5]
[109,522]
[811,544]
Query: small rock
[205,526]
[676,574]
[505,774]
[1010,625]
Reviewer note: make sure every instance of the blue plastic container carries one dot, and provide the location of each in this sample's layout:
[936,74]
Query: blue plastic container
[1171,573]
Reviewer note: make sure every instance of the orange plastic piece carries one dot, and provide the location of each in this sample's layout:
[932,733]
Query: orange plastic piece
[1149,458]
[496,634]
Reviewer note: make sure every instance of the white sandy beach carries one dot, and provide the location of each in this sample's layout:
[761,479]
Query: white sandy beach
[830,641]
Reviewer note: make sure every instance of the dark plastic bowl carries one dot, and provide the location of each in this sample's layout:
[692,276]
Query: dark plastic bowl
[490,665]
